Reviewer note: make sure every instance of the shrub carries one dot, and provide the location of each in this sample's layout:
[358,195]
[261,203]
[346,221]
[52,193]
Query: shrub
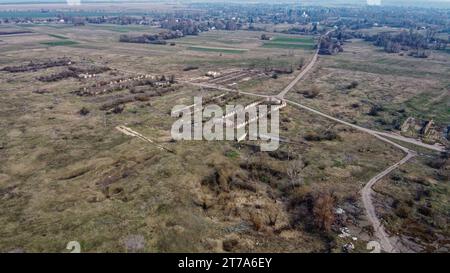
[402,210]
[436,163]
[294,172]
[230,244]
[84,111]
[190,67]
[421,192]
[232,154]
[424,210]
[257,221]
[281,155]
[326,135]
[329,135]
[369,229]
[323,211]
[396,176]
[301,195]
[312,93]
[118,109]
[273,216]
[375,109]
[352,85]
[312,136]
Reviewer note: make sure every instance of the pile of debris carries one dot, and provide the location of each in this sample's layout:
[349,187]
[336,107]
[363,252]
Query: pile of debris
[58,76]
[37,66]
[427,130]
[104,87]
[232,76]
[75,72]
[119,102]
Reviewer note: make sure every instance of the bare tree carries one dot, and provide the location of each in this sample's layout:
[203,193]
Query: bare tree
[301,63]
[294,172]
[323,211]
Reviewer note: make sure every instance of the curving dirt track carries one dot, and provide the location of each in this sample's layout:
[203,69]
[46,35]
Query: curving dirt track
[366,192]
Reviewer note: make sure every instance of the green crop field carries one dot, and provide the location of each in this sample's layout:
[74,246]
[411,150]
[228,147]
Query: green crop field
[120,29]
[288,45]
[58,36]
[51,14]
[425,106]
[55,26]
[220,50]
[60,43]
[304,40]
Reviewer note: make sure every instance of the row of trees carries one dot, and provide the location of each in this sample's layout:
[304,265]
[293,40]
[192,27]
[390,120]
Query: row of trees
[408,40]
[330,46]
[32,66]
[151,38]
[194,27]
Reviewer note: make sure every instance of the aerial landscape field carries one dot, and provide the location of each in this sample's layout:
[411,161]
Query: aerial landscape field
[87,151]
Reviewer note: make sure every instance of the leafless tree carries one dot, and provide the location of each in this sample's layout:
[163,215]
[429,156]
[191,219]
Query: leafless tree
[323,211]
[294,172]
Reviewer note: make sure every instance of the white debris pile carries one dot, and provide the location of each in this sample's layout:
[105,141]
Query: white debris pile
[348,247]
[213,74]
[339,211]
[344,232]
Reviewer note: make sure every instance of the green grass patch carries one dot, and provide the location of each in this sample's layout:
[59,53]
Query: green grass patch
[55,26]
[88,46]
[60,43]
[120,29]
[113,28]
[219,50]
[382,69]
[288,45]
[232,154]
[58,36]
[427,107]
[303,40]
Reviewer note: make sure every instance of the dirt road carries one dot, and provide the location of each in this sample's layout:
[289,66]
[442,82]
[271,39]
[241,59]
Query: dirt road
[304,71]
[130,132]
[380,135]
[366,192]
[299,76]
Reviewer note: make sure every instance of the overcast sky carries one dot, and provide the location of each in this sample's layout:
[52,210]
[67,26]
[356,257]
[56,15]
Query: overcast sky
[240,1]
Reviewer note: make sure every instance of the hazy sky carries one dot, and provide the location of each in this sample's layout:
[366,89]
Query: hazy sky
[308,2]
[226,0]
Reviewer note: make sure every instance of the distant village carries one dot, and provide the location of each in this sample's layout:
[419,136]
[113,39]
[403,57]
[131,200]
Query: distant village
[425,28]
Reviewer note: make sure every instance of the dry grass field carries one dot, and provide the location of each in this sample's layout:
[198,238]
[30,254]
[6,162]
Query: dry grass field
[414,205]
[66,175]
[403,85]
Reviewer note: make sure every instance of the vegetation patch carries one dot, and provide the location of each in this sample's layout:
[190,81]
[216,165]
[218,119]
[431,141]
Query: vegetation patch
[288,45]
[60,43]
[217,49]
[303,40]
[58,36]
[426,106]
[232,154]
